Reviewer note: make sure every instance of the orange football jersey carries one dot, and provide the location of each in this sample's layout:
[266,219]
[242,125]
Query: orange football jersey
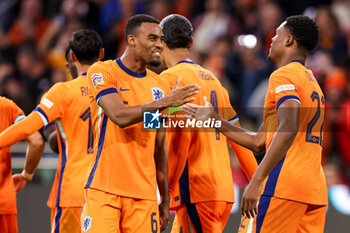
[123,158]
[299,175]
[198,159]
[68,104]
[10,113]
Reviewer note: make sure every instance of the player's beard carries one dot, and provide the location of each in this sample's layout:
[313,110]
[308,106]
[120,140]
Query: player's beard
[154,63]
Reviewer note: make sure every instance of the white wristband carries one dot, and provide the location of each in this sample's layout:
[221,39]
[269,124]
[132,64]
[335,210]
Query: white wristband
[27,176]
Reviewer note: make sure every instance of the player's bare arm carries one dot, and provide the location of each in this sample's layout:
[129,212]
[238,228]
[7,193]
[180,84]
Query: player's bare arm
[113,105]
[53,142]
[288,123]
[161,161]
[51,135]
[244,156]
[33,156]
[255,141]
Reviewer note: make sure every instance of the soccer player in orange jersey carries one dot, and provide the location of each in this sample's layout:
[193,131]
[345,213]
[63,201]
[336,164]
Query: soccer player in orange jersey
[50,130]
[289,181]
[68,105]
[199,162]
[10,113]
[129,161]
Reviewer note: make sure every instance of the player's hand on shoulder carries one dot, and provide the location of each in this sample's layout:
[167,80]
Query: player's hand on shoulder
[200,112]
[180,95]
[19,182]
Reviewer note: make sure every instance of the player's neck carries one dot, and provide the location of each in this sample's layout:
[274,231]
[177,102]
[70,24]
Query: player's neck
[132,62]
[287,59]
[82,68]
[177,55]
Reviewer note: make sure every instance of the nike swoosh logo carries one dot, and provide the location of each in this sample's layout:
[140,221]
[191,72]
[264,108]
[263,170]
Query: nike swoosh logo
[121,89]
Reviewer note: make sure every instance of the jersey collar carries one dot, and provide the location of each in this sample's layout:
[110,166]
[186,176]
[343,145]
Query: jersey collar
[301,62]
[185,61]
[130,72]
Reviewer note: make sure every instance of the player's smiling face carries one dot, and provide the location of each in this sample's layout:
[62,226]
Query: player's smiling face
[278,43]
[149,43]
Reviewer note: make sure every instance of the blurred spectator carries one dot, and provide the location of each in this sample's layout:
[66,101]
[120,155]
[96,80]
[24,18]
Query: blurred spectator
[68,20]
[55,57]
[212,24]
[297,7]
[270,17]
[111,40]
[121,10]
[341,10]
[7,13]
[247,66]
[343,128]
[13,88]
[33,72]
[6,68]
[58,75]
[332,40]
[216,59]
[334,90]
[184,7]
[321,64]
[160,8]
[31,24]
[246,11]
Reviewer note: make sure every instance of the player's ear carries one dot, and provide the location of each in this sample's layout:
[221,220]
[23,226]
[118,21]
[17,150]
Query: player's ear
[102,54]
[131,40]
[72,56]
[289,40]
[191,44]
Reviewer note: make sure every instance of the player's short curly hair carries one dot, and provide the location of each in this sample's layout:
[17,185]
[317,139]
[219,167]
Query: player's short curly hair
[135,22]
[67,52]
[177,31]
[304,30]
[86,45]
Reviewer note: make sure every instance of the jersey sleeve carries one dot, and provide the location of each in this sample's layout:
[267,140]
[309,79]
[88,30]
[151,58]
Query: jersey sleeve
[17,114]
[20,130]
[53,103]
[100,81]
[282,87]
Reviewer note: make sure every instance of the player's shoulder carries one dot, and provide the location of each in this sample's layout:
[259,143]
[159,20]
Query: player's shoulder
[102,65]
[4,100]
[9,107]
[290,69]
[170,75]
[81,79]
[285,72]
[61,86]
[163,82]
[7,103]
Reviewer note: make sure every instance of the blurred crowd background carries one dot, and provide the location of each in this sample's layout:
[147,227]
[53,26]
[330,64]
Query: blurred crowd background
[231,38]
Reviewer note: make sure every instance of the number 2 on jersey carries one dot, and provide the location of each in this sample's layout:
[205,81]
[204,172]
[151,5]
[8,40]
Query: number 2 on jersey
[309,136]
[87,115]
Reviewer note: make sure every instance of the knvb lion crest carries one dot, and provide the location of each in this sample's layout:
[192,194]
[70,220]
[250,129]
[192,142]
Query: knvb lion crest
[157,93]
[87,223]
